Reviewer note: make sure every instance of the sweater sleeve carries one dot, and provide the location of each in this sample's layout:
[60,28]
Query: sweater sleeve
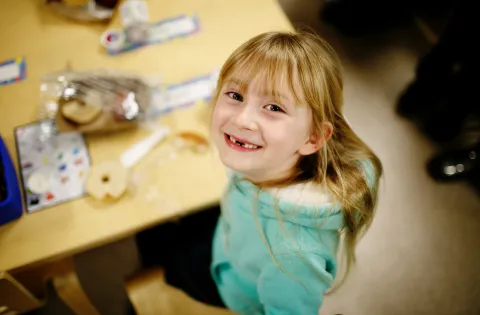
[295,286]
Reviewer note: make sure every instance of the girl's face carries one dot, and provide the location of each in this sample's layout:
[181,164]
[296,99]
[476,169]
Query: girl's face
[258,136]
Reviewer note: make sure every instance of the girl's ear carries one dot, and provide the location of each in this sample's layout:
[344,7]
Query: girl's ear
[317,139]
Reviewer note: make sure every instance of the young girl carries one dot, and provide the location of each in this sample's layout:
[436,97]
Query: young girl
[300,178]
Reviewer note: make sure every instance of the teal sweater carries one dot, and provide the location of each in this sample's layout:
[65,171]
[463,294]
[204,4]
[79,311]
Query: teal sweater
[304,244]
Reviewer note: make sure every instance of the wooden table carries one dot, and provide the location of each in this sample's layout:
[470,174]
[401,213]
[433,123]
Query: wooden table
[189,181]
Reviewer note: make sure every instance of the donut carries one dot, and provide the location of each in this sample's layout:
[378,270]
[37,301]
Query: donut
[107,180]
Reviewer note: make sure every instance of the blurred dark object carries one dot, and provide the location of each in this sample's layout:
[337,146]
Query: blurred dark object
[453,165]
[107,3]
[184,250]
[356,18]
[84,10]
[443,99]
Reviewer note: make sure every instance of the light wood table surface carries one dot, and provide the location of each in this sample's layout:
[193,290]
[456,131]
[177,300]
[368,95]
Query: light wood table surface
[189,181]
[166,185]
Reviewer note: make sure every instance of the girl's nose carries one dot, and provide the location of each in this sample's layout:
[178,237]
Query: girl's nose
[245,119]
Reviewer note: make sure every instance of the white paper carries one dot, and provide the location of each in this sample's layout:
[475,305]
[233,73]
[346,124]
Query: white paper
[9,71]
[189,93]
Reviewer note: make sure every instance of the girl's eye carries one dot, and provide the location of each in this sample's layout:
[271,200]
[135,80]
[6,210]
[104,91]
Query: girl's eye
[235,96]
[274,108]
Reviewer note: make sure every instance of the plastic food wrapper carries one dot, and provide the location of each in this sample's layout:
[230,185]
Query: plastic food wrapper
[98,101]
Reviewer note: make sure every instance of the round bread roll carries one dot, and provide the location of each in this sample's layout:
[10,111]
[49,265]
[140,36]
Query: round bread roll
[80,113]
[107,180]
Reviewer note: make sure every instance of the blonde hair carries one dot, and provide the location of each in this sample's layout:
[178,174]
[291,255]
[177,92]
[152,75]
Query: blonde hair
[311,70]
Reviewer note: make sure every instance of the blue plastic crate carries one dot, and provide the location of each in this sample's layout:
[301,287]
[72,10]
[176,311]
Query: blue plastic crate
[10,197]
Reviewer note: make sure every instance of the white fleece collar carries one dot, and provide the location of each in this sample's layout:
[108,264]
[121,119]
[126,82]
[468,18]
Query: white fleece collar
[306,194]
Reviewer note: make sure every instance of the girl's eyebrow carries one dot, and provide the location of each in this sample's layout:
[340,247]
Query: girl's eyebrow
[263,92]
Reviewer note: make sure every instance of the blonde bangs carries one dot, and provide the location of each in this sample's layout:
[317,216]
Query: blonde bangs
[274,65]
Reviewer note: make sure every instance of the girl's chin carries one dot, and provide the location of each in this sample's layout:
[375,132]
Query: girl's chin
[238,166]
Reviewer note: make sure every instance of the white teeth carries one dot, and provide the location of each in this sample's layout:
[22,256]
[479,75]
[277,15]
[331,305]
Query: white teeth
[246,145]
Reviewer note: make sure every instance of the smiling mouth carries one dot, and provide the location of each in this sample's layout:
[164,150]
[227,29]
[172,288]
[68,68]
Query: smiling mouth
[240,144]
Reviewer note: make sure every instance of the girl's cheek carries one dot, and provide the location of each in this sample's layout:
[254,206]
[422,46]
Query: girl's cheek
[220,115]
[280,132]
[225,110]
[215,117]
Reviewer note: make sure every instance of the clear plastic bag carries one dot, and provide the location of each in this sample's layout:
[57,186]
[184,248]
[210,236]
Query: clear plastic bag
[97,101]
